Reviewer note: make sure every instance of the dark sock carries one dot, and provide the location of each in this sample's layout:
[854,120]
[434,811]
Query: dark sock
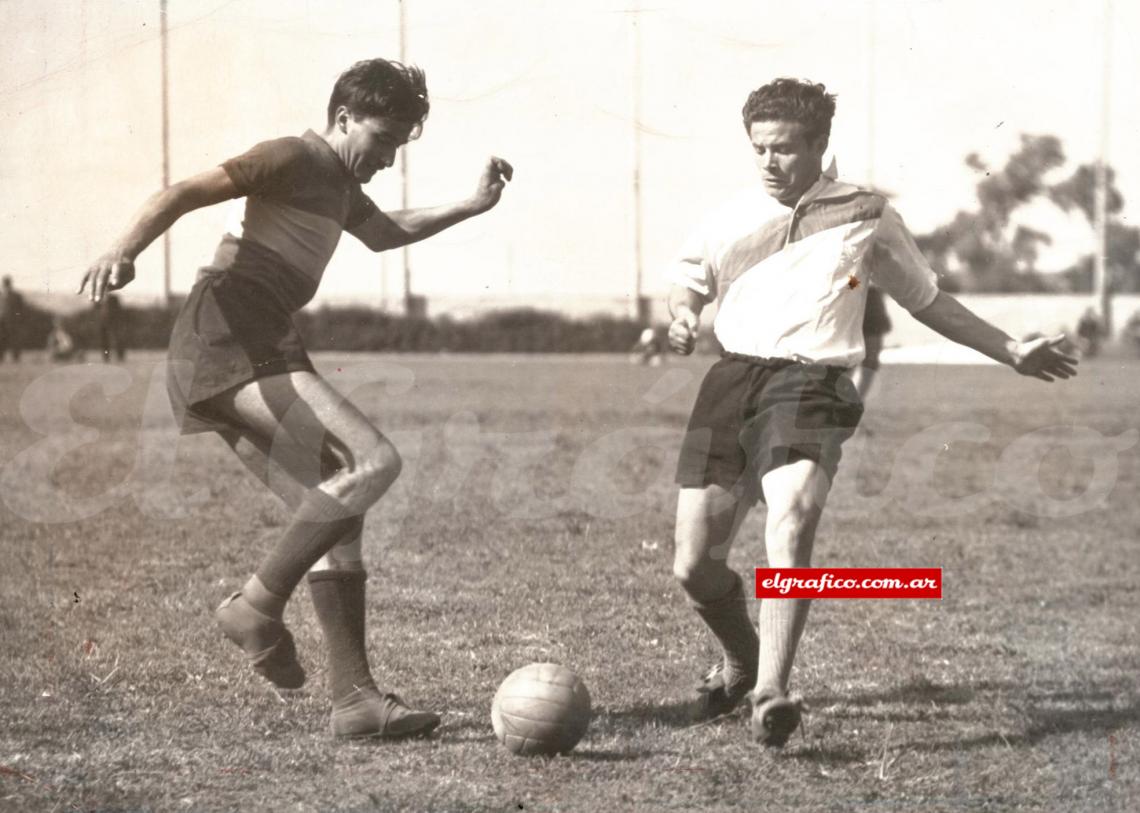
[728,619]
[319,523]
[261,599]
[338,597]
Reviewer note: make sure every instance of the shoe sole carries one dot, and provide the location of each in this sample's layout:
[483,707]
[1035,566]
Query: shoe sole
[423,730]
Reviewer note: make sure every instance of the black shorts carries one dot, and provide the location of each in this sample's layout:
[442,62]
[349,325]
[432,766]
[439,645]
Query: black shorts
[876,322]
[230,331]
[753,415]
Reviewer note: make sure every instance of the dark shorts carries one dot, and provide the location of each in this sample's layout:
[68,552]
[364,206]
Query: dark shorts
[230,331]
[754,415]
[876,322]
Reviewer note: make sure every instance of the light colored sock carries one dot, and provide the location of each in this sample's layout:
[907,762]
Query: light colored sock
[782,622]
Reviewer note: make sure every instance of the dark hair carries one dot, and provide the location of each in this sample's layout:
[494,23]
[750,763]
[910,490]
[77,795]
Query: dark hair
[380,87]
[795,100]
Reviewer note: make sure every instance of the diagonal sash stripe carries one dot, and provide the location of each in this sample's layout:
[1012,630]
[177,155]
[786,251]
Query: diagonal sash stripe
[820,215]
[746,252]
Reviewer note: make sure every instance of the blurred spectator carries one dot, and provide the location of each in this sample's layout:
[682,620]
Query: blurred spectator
[1090,332]
[60,345]
[876,325]
[11,320]
[649,349]
[110,314]
[1132,330]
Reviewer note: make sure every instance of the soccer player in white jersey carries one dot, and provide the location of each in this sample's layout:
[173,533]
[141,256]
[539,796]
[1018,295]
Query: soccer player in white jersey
[789,265]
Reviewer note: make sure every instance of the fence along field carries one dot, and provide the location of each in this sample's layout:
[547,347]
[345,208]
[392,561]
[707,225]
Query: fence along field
[533,522]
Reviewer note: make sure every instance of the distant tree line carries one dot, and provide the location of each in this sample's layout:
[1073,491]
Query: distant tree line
[977,252]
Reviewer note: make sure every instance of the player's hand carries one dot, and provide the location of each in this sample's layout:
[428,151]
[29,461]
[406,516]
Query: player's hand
[683,333]
[495,176]
[1046,358]
[108,273]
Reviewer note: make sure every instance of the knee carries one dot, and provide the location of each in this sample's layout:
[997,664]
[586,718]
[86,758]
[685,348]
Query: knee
[380,467]
[702,578]
[372,474]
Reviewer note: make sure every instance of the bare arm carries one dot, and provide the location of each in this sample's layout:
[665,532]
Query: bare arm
[685,306]
[385,230]
[115,268]
[1041,358]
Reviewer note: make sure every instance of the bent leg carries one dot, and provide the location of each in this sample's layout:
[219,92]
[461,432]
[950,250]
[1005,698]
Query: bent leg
[289,472]
[307,422]
[707,522]
[291,465]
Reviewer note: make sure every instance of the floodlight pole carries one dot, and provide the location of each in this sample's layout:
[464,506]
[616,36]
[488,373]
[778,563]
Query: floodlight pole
[165,57]
[636,309]
[871,46]
[406,252]
[1102,285]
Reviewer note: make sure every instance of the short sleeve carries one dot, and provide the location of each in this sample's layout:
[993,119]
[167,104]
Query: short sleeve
[268,167]
[898,265]
[360,207]
[693,268]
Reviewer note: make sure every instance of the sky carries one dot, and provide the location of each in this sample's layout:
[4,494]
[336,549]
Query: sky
[551,87]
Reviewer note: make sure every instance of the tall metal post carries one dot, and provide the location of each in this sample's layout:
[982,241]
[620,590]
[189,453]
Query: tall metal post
[637,309]
[165,57]
[1102,285]
[406,252]
[872,22]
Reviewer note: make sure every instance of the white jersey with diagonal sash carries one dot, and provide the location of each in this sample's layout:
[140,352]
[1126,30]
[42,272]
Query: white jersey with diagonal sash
[792,282]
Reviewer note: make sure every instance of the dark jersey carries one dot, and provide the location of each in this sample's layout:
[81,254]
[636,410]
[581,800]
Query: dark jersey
[299,197]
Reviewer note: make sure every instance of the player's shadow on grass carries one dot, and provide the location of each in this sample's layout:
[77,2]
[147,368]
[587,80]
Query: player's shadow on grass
[916,691]
[1039,710]
[471,731]
[674,714]
[1044,723]
[594,755]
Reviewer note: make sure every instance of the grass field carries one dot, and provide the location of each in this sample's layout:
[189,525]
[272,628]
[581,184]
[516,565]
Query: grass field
[533,522]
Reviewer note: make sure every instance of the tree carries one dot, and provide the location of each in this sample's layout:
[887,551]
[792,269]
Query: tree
[976,252]
[1122,242]
[989,260]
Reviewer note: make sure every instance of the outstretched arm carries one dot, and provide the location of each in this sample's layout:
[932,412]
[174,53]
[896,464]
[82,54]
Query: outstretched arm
[116,267]
[385,230]
[1041,358]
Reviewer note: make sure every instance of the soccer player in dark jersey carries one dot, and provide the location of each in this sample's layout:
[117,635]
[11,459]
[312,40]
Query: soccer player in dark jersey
[237,366]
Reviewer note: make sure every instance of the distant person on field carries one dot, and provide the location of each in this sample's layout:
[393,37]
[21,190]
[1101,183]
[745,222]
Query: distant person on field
[1090,332]
[11,320]
[790,264]
[60,344]
[876,325]
[649,348]
[238,368]
[110,316]
[1132,330]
